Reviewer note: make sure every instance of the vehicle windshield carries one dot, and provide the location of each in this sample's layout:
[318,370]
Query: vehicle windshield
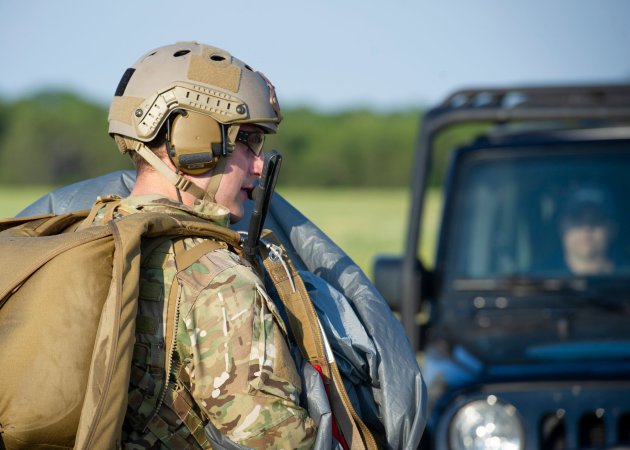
[554,211]
[543,231]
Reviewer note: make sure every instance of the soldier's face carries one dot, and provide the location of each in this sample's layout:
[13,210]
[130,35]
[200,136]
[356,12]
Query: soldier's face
[241,172]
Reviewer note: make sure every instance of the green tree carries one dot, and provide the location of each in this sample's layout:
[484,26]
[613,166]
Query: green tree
[58,138]
[349,148]
[55,138]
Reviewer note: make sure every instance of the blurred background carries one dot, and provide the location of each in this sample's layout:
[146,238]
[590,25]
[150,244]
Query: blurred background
[353,79]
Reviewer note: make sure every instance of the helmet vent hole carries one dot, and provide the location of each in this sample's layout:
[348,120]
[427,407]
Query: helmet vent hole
[217,58]
[148,56]
[181,53]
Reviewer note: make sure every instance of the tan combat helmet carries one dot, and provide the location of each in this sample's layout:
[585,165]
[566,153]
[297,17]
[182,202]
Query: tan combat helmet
[203,94]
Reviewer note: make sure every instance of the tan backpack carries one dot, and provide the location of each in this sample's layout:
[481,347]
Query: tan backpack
[66,358]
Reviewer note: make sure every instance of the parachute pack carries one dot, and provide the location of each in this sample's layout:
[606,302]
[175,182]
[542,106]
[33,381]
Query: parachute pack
[69,358]
[67,321]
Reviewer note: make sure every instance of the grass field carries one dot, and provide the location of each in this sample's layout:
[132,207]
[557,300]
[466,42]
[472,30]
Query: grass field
[364,222]
[14,199]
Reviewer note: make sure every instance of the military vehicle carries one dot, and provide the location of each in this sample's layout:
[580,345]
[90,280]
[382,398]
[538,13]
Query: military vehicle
[521,314]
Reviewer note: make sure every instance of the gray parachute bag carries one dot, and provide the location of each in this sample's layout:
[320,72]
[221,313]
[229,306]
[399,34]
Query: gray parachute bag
[385,385]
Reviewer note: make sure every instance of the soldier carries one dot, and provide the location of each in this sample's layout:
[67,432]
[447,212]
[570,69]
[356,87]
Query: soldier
[194,119]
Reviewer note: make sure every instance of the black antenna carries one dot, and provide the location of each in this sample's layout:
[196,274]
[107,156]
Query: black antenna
[262,197]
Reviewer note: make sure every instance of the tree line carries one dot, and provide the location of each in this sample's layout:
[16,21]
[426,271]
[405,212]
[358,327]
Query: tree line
[57,137]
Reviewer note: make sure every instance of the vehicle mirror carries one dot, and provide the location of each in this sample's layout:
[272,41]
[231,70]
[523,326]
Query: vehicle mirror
[387,275]
[387,279]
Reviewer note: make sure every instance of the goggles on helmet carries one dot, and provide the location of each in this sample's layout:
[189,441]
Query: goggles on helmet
[254,140]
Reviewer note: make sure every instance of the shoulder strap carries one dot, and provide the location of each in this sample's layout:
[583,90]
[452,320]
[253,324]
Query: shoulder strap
[128,232]
[184,258]
[203,228]
[109,203]
[312,342]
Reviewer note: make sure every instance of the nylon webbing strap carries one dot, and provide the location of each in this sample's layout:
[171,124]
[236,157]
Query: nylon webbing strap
[172,177]
[109,205]
[56,224]
[182,404]
[366,434]
[157,425]
[177,439]
[215,179]
[186,258]
[303,320]
[87,222]
[109,210]
[305,327]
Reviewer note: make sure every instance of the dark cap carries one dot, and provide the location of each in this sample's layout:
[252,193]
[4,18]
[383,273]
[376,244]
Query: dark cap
[590,205]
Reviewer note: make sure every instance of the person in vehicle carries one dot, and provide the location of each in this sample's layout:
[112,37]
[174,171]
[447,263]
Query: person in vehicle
[587,230]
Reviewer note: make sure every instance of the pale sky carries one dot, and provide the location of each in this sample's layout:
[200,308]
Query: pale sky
[329,54]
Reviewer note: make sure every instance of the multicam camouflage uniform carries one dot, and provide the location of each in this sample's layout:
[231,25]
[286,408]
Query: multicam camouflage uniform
[231,357]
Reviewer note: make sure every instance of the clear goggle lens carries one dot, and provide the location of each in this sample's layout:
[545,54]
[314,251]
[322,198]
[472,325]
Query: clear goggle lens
[254,140]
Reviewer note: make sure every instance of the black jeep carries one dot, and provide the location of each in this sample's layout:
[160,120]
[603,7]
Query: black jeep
[522,318]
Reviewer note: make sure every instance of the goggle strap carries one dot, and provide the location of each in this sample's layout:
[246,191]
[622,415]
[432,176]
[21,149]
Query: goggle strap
[163,169]
[229,138]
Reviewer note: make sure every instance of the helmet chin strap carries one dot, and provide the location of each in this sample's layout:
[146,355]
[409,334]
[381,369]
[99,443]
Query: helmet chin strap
[215,180]
[229,142]
[177,180]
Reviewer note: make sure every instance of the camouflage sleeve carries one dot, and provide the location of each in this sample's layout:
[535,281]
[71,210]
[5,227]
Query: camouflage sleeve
[242,374]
